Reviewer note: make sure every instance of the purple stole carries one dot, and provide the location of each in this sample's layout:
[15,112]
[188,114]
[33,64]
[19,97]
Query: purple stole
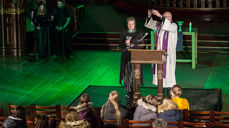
[164,47]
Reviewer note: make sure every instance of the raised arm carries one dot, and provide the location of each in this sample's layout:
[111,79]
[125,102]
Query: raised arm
[150,23]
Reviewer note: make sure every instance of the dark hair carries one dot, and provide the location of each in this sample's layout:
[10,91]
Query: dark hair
[63,1]
[176,92]
[40,3]
[41,121]
[85,98]
[19,113]
[38,7]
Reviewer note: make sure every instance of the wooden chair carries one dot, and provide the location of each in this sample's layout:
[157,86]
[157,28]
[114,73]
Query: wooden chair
[182,124]
[63,112]
[115,124]
[175,124]
[136,124]
[1,112]
[29,109]
[221,117]
[53,112]
[218,125]
[97,116]
[193,125]
[1,120]
[198,116]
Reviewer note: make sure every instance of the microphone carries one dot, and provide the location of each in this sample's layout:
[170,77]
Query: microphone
[144,36]
[128,38]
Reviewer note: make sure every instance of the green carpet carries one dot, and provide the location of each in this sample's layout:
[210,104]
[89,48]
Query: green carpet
[60,82]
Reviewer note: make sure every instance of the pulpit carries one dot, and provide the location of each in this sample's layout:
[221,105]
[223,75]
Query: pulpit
[12,25]
[142,56]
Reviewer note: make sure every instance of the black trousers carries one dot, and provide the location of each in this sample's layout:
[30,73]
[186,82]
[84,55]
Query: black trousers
[42,42]
[63,43]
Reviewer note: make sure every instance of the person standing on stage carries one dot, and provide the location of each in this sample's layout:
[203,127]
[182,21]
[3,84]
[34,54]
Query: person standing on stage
[61,19]
[130,39]
[41,21]
[166,39]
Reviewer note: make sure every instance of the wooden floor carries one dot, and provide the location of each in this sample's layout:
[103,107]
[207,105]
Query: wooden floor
[47,83]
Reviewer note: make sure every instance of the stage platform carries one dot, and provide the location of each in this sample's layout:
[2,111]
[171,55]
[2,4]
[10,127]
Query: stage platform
[199,99]
[52,82]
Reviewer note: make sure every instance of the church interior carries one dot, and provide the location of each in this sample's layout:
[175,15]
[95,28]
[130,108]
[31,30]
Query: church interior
[202,62]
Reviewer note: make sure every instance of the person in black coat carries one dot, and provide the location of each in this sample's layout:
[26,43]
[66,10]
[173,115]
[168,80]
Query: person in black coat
[130,39]
[16,120]
[41,21]
[60,18]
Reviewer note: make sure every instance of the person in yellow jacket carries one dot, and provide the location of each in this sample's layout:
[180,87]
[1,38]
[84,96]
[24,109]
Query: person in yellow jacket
[182,103]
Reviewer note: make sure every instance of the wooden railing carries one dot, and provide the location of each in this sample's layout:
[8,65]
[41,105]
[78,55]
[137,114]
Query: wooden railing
[192,3]
[181,3]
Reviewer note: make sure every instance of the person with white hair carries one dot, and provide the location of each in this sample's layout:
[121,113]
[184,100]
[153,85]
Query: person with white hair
[166,39]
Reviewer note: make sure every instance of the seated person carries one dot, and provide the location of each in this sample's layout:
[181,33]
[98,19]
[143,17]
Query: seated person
[84,109]
[146,109]
[72,120]
[159,123]
[112,109]
[41,122]
[16,120]
[175,93]
[168,111]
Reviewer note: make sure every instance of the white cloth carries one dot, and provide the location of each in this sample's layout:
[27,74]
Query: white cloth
[170,78]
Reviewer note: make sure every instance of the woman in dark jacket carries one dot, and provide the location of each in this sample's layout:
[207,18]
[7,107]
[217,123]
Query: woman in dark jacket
[168,111]
[112,109]
[129,39]
[84,109]
[16,120]
[41,21]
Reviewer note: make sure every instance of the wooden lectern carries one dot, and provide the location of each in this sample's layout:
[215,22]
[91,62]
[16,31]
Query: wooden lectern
[142,56]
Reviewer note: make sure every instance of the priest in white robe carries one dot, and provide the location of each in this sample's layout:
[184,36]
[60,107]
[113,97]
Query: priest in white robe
[166,39]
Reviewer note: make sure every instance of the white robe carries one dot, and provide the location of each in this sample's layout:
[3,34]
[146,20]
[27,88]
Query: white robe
[170,78]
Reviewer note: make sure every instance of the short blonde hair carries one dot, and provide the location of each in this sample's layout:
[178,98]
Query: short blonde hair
[131,19]
[167,104]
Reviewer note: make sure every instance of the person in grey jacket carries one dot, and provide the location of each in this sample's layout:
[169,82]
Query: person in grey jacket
[146,109]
